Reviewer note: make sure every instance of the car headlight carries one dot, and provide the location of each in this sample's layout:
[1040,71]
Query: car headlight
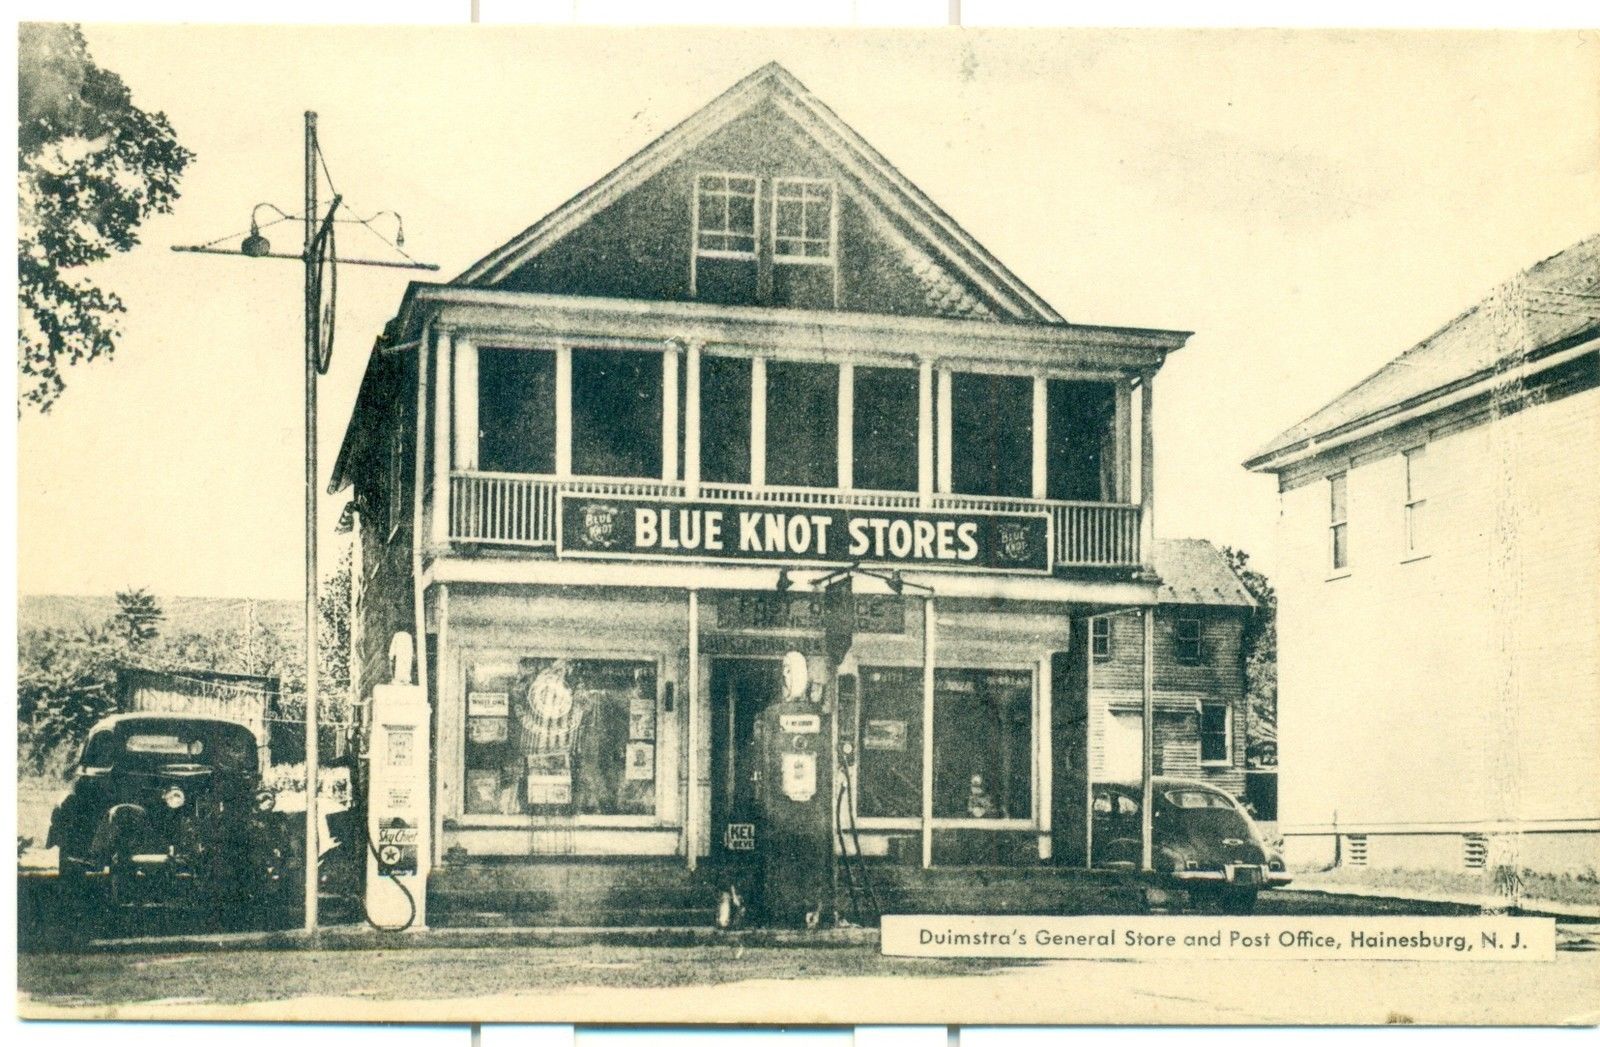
[265,801]
[173,797]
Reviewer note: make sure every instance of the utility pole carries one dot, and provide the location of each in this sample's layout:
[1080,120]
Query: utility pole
[317,252]
[313,345]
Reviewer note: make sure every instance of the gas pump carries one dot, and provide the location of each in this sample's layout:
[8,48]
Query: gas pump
[795,795]
[398,823]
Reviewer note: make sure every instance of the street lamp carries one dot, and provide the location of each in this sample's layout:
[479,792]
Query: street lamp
[316,255]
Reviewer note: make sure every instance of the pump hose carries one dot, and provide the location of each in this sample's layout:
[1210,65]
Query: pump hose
[411,901]
[847,805]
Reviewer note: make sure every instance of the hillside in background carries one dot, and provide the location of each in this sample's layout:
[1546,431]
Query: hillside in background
[180,614]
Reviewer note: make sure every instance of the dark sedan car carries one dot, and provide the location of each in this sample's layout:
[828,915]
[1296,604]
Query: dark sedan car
[169,808]
[1203,841]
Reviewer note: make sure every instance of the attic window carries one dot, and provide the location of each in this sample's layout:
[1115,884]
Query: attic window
[802,220]
[725,216]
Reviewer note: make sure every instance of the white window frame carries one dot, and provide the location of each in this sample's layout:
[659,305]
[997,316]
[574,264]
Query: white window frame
[1100,636]
[1178,640]
[778,256]
[1416,507]
[725,192]
[1227,734]
[1339,523]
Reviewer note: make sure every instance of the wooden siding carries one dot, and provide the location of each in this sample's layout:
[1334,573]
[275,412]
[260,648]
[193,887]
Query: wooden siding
[639,247]
[1458,687]
[1116,684]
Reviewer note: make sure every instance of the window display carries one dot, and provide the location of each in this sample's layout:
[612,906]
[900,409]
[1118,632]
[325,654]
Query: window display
[556,736]
[890,764]
[982,744]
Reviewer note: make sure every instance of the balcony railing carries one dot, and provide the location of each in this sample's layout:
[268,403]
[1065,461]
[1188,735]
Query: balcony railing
[517,509]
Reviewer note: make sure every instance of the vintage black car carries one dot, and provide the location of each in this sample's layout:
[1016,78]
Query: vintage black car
[169,809]
[1203,841]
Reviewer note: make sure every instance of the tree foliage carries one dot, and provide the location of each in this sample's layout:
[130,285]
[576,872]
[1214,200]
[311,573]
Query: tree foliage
[1260,643]
[91,167]
[138,617]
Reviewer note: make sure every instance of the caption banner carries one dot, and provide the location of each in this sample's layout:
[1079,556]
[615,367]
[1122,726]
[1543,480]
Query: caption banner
[1445,938]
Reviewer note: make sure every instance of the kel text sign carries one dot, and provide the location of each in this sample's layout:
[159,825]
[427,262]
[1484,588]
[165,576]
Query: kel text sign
[630,528]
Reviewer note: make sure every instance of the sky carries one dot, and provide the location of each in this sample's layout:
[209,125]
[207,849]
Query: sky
[1309,204]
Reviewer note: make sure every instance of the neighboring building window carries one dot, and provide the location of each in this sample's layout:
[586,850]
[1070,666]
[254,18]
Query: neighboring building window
[802,220]
[802,424]
[991,418]
[889,769]
[725,257]
[616,412]
[556,736]
[725,419]
[1100,638]
[1216,733]
[1416,500]
[1190,641]
[517,410]
[885,429]
[1338,522]
[982,743]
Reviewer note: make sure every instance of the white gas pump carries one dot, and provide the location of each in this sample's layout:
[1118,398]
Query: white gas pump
[398,822]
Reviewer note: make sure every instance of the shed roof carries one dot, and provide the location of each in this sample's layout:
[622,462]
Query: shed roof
[1552,303]
[1195,572]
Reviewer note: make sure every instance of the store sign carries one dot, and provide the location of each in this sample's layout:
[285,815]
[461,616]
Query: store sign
[665,529]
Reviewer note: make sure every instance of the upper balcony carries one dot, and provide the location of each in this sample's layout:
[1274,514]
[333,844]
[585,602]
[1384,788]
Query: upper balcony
[674,420]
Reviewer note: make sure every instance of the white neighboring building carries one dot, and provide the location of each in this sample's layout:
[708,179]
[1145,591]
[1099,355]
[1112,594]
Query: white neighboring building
[1439,594]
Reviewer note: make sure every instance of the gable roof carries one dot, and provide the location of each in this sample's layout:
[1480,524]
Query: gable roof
[1009,298]
[1554,303]
[1195,572]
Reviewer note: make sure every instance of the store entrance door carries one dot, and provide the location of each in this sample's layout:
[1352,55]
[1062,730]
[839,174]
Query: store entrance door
[741,688]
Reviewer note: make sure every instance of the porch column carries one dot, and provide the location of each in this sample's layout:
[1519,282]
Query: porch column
[946,431]
[691,421]
[847,431]
[930,648]
[758,421]
[669,414]
[925,432]
[690,695]
[1147,756]
[1041,422]
[439,523]
[1124,442]
[1147,468]
[564,411]
[1044,792]
[466,400]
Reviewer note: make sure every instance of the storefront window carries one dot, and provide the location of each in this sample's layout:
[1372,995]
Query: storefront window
[982,744]
[890,769]
[554,736]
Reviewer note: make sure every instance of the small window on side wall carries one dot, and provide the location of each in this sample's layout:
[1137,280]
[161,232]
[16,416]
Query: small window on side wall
[1190,640]
[1416,461]
[1216,734]
[395,495]
[1100,639]
[1338,523]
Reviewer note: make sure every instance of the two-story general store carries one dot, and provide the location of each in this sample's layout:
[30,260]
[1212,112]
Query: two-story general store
[748,474]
